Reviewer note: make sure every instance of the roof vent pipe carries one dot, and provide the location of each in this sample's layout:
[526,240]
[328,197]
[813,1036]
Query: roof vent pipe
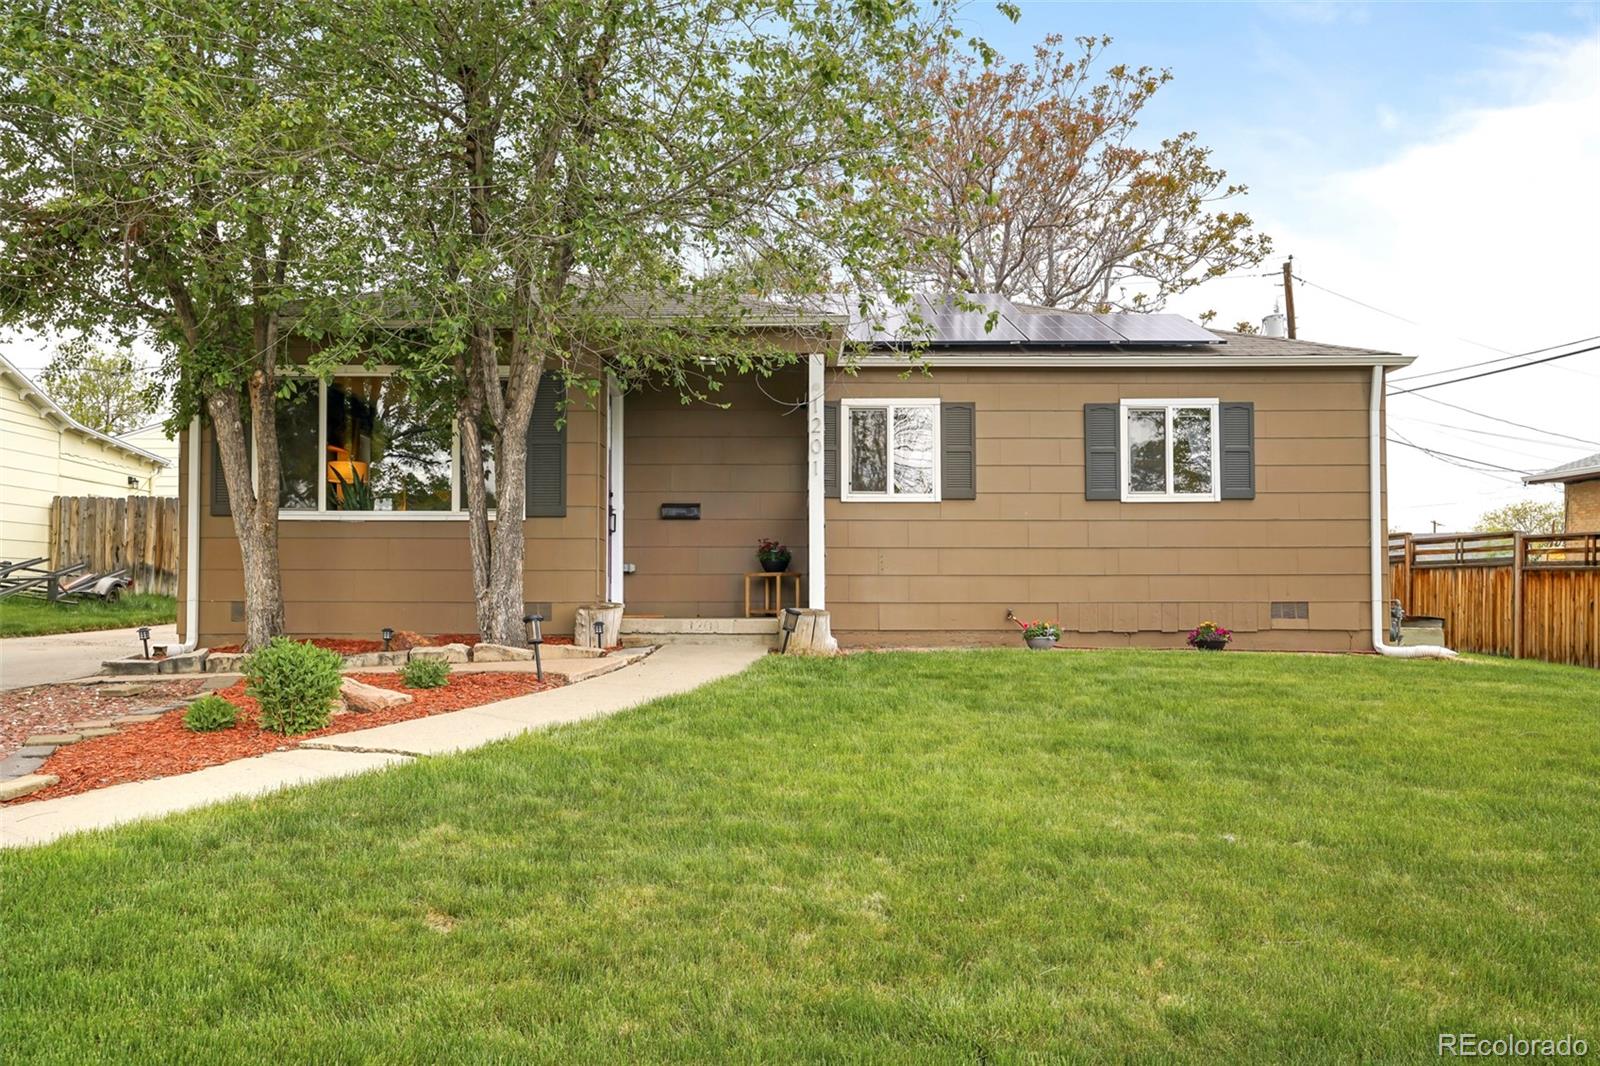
[1275,324]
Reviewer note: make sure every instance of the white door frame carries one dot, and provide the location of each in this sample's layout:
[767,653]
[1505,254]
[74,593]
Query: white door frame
[614,490]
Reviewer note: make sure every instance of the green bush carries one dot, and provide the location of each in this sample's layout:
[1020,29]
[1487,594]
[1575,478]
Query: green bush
[425,673]
[294,683]
[209,713]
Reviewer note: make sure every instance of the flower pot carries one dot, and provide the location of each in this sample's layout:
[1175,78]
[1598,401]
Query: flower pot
[775,564]
[1211,645]
[1040,643]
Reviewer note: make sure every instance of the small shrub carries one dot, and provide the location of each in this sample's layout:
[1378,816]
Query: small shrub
[425,673]
[210,713]
[295,684]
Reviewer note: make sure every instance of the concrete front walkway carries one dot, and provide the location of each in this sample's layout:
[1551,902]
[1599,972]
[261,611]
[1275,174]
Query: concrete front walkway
[26,661]
[672,669]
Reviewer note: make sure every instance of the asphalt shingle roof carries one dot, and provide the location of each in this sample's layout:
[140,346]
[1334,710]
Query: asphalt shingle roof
[1577,470]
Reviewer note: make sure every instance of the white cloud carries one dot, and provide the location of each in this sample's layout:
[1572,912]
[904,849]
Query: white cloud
[1486,231]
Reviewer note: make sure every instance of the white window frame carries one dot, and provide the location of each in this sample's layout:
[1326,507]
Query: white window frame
[457,512]
[1211,404]
[847,491]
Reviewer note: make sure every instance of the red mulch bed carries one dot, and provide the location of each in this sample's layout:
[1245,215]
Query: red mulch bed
[51,708]
[164,747]
[353,646]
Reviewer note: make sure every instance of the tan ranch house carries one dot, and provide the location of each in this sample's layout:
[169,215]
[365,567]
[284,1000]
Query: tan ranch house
[1129,475]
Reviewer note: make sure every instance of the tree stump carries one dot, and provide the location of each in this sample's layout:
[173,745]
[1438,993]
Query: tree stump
[583,628]
[813,635]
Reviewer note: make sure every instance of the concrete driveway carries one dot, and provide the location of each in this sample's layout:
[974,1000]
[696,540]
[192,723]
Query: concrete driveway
[28,661]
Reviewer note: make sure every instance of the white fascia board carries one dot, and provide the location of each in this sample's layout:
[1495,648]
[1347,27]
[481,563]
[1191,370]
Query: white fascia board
[1192,361]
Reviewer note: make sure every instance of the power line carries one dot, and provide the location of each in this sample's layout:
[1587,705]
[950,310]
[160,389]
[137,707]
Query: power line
[1478,465]
[1501,370]
[1420,325]
[1479,432]
[1507,421]
[1486,362]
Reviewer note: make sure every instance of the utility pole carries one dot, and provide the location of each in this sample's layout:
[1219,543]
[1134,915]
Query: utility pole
[1288,293]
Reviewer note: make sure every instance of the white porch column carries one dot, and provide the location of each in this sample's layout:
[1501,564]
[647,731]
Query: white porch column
[816,501]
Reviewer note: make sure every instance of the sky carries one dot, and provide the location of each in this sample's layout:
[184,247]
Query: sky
[1437,162]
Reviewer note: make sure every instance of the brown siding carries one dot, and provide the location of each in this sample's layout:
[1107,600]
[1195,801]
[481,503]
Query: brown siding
[343,578]
[1583,506]
[1114,573]
[744,464]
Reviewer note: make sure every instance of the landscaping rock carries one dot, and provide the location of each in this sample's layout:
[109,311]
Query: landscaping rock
[130,666]
[500,653]
[25,786]
[224,662]
[193,662]
[56,739]
[450,653]
[405,640]
[360,696]
[375,658]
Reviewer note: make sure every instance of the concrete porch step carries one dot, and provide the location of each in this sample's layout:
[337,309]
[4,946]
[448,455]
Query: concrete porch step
[750,632]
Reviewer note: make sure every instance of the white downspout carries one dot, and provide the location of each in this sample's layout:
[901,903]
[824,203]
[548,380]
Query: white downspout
[191,556]
[1379,545]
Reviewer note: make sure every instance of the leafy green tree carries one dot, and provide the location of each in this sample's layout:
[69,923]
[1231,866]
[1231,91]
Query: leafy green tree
[104,389]
[165,174]
[588,189]
[1525,516]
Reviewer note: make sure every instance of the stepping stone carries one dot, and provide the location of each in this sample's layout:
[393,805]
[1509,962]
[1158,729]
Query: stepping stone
[130,666]
[104,731]
[93,723]
[135,719]
[19,765]
[25,786]
[53,738]
[36,751]
[124,688]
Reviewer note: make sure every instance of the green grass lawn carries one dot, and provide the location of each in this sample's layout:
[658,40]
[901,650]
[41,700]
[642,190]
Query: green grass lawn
[1113,856]
[21,617]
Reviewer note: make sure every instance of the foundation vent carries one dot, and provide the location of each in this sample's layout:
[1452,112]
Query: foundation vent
[1290,610]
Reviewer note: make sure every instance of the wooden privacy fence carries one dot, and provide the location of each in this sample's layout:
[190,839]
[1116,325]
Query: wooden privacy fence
[1518,594]
[110,533]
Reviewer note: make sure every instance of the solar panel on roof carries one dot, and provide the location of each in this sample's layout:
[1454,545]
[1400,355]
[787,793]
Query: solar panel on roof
[1157,329]
[1068,329]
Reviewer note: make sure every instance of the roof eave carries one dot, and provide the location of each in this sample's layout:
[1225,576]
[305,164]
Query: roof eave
[1552,477]
[1204,357]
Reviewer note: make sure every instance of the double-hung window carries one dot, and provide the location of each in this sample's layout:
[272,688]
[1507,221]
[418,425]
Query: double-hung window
[890,450]
[1169,450]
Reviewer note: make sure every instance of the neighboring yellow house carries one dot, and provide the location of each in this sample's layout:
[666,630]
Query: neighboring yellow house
[153,439]
[44,453]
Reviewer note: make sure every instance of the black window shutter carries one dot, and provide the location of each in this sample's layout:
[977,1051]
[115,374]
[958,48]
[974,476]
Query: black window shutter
[830,450]
[958,446]
[1102,452]
[547,451]
[220,505]
[1236,436]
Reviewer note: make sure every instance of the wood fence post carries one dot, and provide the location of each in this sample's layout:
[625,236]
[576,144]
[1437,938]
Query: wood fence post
[1519,549]
[1403,594]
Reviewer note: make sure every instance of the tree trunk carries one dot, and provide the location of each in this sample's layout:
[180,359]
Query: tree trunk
[257,533]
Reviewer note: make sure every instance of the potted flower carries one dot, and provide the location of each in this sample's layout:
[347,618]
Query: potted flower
[1208,636]
[1041,636]
[773,555]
